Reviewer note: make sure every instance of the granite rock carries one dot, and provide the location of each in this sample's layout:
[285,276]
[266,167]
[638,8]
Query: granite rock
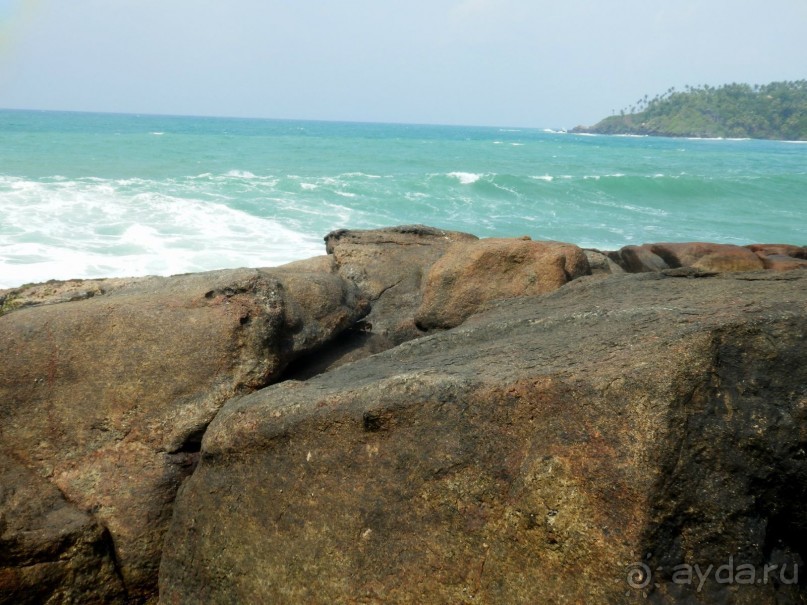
[541,452]
[471,274]
[107,397]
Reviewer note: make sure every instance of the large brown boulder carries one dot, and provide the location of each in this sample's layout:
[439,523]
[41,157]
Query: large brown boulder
[550,450]
[708,257]
[638,259]
[389,266]
[600,263]
[698,255]
[799,252]
[781,257]
[781,262]
[471,274]
[107,397]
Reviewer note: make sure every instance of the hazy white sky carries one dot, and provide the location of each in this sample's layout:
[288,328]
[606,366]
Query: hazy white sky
[545,63]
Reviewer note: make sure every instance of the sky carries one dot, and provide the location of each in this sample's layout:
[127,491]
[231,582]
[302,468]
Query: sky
[530,63]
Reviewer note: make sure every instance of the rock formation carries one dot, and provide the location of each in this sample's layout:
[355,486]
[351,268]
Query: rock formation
[471,274]
[571,425]
[107,398]
[525,457]
[709,257]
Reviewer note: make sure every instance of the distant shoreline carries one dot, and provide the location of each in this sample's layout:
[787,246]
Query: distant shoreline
[775,111]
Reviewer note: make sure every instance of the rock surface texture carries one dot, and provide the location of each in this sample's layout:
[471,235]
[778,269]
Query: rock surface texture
[471,274]
[107,398]
[709,257]
[417,416]
[388,266]
[528,456]
[50,551]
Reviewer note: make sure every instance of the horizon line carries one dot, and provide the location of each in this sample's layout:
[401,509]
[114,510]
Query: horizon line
[275,119]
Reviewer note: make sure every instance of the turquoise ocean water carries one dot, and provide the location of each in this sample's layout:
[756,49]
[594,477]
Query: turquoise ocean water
[93,195]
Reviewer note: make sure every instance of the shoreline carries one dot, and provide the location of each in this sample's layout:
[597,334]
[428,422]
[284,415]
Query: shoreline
[762,250]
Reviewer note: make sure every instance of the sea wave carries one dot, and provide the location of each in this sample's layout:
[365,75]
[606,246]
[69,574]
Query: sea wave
[188,203]
[466,178]
[86,228]
[241,174]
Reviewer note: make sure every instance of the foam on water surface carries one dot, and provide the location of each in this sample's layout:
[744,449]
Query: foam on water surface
[69,229]
[83,195]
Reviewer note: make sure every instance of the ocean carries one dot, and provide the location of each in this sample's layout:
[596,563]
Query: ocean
[98,195]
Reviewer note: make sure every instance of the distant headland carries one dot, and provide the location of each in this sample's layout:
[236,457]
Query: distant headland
[772,111]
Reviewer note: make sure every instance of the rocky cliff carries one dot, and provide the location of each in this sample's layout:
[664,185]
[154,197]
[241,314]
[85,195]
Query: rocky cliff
[416,417]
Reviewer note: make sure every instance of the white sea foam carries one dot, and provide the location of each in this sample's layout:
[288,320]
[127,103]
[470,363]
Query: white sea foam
[717,139]
[466,178]
[714,139]
[241,174]
[416,195]
[199,205]
[362,175]
[83,229]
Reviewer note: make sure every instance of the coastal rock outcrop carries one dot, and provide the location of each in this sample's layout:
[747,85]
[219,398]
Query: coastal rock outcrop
[471,274]
[709,257]
[388,266]
[781,257]
[527,455]
[579,446]
[107,398]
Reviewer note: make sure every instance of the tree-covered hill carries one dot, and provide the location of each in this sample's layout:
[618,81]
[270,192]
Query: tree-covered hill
[773,111]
